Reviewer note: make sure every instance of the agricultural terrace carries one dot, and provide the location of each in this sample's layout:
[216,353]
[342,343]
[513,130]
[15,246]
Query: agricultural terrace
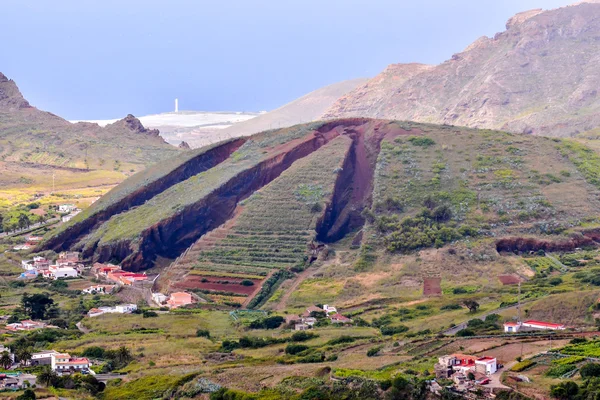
[130,224]
[273,227]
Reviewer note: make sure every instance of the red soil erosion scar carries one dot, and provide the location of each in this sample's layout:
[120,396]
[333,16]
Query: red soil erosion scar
[217,284]
[432,286]
[520,244]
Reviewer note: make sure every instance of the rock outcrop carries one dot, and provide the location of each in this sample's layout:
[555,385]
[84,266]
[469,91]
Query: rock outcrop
[10,97]
[540,76]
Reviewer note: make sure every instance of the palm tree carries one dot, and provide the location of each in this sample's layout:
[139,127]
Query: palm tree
[47,377]
[6,360]
[24,356]
[124,355]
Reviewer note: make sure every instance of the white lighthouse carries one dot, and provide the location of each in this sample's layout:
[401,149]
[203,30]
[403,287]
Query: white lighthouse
[176,105]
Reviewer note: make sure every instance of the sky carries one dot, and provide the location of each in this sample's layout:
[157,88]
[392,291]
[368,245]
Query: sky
[100,59]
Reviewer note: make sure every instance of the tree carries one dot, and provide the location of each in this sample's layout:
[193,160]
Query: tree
[564,390]
[5,360]
[28,394]
[123,355]
[591,370]
[472,305]
[24,221]
[24,355]
[37,305]
[47,377]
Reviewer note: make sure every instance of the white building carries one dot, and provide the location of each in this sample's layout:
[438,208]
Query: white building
[329,309]
[125,308]
[43,357]
[62,362]
[511,327]
[543,325]
[159,298]
[66,208]
[486,365]
[57,272]
[120,309]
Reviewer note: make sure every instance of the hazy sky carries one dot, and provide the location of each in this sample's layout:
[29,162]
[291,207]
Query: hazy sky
[92,59]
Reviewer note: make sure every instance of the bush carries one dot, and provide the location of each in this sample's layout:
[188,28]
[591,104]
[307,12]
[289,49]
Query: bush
[247,282]
[555,281]
[421,141]
[294,349]
[465,333]
[591,370]
[149,314]
[393,330]
[451,307]
[373,351]
[564,390]
[203,333]
[340,340]
[267,323]
[302,336]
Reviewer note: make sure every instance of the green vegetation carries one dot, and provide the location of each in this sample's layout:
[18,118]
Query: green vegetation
[523,365]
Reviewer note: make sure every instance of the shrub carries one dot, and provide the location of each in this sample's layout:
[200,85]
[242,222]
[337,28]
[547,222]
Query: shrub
[451,307]
[465,333]
[294,349]
[149,314]
[302,336]
[340,340]
[555,281]
[267,323]
[393,330]
[373,351]
[203,333]
[591,370]
[247,282]
[564,390]
[557,371]
[421,141]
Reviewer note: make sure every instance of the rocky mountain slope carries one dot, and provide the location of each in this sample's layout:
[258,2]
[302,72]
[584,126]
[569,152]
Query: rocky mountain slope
[540,76]
[307,108]
[263,206]
[32,137]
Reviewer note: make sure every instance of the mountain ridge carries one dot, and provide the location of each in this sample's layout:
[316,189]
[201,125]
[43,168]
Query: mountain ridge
[514,81]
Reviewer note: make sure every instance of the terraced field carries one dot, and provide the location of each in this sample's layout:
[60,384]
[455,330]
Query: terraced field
[272,230]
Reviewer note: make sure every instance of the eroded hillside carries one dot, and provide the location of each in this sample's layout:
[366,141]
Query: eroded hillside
[259,209]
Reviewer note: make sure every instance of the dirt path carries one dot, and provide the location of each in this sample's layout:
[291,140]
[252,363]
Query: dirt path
[307,273]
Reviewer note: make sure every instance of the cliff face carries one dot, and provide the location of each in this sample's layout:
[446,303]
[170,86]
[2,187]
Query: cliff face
[10,97]
[540,76]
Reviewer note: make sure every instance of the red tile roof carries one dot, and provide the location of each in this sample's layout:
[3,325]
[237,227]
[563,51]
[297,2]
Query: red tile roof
[541,323]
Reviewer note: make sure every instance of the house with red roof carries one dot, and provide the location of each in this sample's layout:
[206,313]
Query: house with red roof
[340,319]
[63,363]
[179,299]
[511,327]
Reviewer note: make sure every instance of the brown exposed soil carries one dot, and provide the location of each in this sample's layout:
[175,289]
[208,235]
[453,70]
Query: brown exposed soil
[196,165]
[212,283]
[521,244]
[432,287]
[509,279]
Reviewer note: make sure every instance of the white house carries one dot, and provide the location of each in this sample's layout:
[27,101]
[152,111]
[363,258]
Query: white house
[43,357]
[120,309]
[66,208]
[486,365]
[329,309]
[159,298]
[98,289]
[65,363]
[27,264]
[57,272]
[512,327]
[125,308]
